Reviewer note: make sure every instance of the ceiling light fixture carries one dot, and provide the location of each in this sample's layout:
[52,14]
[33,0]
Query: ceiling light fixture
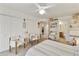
[42,11]
[60,22]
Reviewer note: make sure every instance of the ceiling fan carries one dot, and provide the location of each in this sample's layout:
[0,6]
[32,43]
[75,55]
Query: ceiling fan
[41,9]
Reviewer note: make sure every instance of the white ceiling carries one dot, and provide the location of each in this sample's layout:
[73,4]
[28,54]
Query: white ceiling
[59,9]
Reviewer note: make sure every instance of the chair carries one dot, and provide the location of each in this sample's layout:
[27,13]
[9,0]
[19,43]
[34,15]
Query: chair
[26,39]
[15,42]
[34,39]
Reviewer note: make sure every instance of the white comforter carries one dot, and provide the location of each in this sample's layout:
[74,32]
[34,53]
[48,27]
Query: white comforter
[51,48]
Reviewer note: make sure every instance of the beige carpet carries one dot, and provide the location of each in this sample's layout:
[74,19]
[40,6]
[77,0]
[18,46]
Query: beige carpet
[21,52]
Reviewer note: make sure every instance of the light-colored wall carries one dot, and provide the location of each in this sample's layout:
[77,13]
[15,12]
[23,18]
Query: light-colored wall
[11,23]
[8,26]
[65,23]
[66,20]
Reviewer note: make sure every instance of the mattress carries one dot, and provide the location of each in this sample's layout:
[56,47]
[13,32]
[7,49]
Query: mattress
[52,48]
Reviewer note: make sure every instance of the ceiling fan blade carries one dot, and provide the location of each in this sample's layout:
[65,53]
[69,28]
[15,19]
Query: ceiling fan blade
[49,6]
[38,6]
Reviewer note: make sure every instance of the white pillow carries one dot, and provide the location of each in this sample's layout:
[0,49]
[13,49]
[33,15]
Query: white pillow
[52,37]
[76,50]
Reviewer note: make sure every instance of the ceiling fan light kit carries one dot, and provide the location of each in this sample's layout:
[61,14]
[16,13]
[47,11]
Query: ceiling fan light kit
[41,12]
[41,9]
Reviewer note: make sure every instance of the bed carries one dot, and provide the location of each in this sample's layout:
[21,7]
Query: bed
[52,48]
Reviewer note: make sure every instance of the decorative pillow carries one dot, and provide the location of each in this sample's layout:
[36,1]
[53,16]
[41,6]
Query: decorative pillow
[52,37]
[76,50]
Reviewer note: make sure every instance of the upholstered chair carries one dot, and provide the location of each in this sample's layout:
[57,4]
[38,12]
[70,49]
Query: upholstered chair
[15,42]
[26,39]
[34,39]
